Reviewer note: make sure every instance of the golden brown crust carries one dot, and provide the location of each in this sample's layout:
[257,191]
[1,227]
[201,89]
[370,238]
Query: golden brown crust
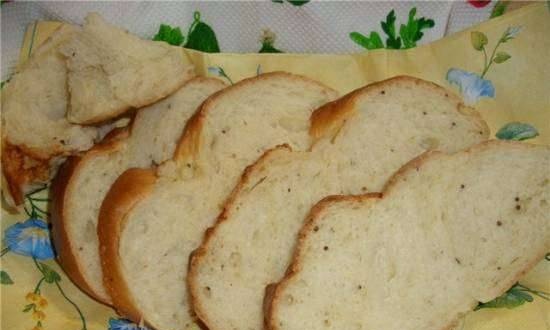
[21,169]
[130,188]
[328,119]
[60,190]
[273,291]
[197,255]
[189,146]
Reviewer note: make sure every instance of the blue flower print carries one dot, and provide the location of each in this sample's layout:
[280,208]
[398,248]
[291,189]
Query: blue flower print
[123,324]
[471,85]
[30,238]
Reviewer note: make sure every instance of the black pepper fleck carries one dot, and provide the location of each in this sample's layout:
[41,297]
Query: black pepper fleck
[453,123]
[382,92]
[516,199]
[316,228]
[499,223]
[223,131]
[457,261]
[288,189]
[462,186]
[424,113]
[359,287]
[325,248]
[518,207]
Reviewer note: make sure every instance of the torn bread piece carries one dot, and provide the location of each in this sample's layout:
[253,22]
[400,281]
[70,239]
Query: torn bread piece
[168,214]
[83,181]
[450,231]
[362,139]
[112,71]
[36,136]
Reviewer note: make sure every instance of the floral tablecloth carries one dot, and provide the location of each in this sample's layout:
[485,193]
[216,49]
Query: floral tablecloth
[501,67]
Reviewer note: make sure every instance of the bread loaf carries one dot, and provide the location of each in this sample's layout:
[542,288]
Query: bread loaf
[168,214]
[361,140]
[448,231]
[83,181]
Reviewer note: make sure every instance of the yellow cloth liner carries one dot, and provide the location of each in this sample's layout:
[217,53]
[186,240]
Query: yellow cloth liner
[522,86]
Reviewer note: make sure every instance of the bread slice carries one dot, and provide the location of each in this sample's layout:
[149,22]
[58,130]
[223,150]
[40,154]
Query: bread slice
[125,71]
[36,136]
[362,139]
[450,231]
[168,214]
[83,181]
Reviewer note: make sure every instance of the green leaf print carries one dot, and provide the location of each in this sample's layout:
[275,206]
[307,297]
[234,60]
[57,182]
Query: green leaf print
[5,278]
[516,296]
[373,41]
[517,132]
[479,40]
[412,32]
[499,9]
[388,27]
[201,36]
[501,57]
[50,275]
[268,40]
[169,34]
[292,2]
[409,33]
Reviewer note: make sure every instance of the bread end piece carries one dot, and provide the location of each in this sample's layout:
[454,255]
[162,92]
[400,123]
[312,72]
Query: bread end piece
[61,186]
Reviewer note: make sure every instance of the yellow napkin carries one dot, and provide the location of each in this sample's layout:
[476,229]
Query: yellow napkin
[515,88]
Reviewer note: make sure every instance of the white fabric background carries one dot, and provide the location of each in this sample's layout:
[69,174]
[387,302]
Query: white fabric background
[317,27]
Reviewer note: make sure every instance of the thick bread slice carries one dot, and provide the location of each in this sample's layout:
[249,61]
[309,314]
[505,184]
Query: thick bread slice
[84,181]
[231,129]
[125,71]
[363,138]
[35,133]
[449,232]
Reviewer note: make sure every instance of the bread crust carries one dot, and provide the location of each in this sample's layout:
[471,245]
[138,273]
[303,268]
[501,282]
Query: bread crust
[198,254]
[188,148]
[19,169]
[130,188]
[327,120]
[62,186]
[274,291]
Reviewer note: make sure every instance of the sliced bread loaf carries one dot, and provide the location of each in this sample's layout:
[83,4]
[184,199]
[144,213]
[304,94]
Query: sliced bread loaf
[83,181]
[362,139]
[36,136]
[450,231]
[148,226]
[125,71]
